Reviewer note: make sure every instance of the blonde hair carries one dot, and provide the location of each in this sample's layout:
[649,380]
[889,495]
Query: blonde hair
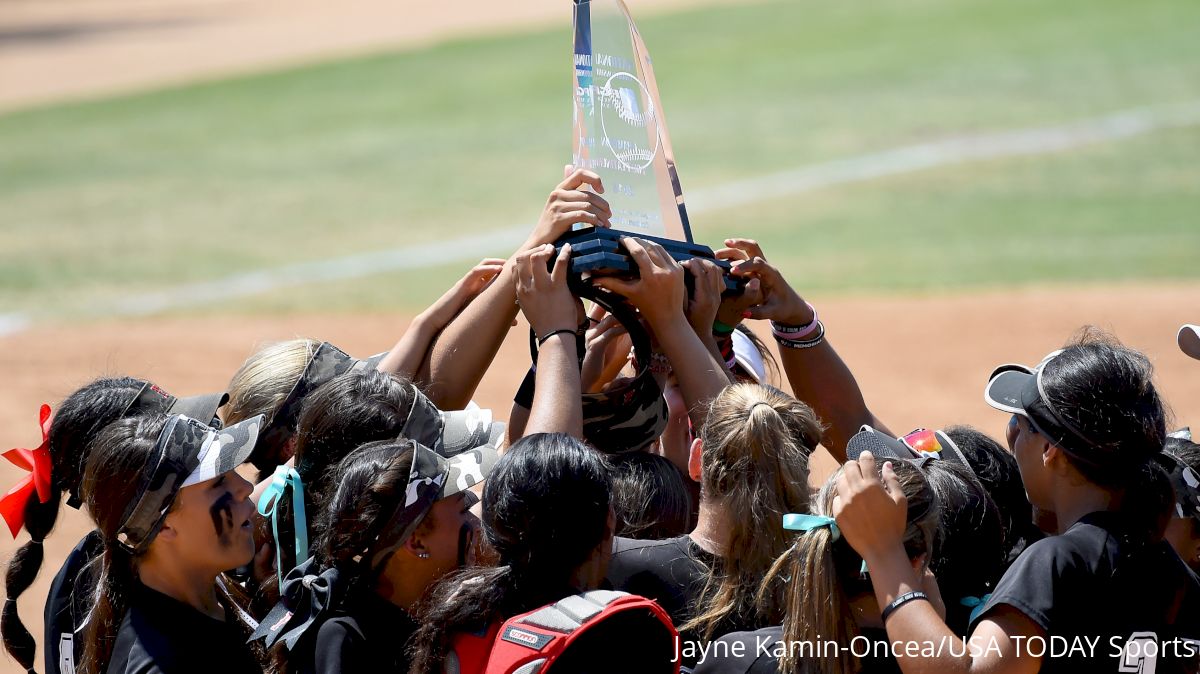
[815,575]
[264,380]
[756,443]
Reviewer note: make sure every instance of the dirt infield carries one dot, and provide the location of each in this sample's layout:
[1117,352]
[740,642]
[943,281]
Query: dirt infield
[921,361]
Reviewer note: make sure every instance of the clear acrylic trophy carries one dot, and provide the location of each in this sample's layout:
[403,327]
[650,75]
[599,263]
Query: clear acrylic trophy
[619,132]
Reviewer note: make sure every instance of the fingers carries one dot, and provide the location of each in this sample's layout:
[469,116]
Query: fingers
[562,264]
[580,177]
[731,254]
[893,485]
[754,265]
[615,285]
[866,461]
[749,247]
[568,170]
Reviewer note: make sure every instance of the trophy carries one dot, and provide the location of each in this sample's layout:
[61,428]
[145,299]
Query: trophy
[620,134]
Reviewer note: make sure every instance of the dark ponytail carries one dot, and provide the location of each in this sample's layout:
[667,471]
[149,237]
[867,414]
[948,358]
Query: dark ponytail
[76,421]
[118,457]
[545,511]
[1106,392]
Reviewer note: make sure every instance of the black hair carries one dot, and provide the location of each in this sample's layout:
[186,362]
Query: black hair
[545,512]
[370,481]
[1185,450]
[1106,393]
[342,414]
[970,555]
[996,469]
[80,416]
[116,461]
[650,498]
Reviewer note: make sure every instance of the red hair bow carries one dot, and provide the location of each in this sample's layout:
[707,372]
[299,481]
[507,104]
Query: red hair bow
[37,463]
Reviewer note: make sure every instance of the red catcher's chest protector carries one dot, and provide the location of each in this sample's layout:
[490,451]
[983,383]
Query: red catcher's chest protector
[625,627]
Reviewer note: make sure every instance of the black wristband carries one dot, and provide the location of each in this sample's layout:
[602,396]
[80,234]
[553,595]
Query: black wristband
[901,601]
[560,331]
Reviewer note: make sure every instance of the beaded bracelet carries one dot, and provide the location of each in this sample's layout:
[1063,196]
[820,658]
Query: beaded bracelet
[901,601]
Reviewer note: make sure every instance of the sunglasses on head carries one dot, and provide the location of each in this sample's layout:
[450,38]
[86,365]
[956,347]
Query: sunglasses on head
[923,441]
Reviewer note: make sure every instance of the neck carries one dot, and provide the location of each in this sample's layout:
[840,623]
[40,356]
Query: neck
[196,588]
[1074,499]
[711,532]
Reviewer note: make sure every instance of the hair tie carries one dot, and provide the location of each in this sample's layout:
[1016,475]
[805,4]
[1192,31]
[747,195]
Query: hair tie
[800,522]
[268,506]
[750,410]
[37,463]
[976,604]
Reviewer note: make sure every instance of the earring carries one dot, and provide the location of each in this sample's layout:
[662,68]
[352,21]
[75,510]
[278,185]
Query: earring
[423,555]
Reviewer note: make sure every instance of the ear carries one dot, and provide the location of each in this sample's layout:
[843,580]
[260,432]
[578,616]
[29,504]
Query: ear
[694,463]
[1049,452]
[416,547]
[168,531]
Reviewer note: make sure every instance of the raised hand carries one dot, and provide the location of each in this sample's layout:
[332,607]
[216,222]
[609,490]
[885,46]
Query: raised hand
[570,204]
[777,300]
[659,294]
[543,294]
[871,513]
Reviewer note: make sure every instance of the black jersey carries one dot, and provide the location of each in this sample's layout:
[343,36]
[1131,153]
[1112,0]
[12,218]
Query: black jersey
[1106,604]
[369,635]
[68,604]
[160,635]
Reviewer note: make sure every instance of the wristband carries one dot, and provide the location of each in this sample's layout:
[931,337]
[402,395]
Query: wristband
[901,601]
[802,344]
[560,331]
[720,328]
[796,331]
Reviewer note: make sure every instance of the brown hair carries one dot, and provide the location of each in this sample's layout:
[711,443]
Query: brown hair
[819,575]
[264,380]
[757,440]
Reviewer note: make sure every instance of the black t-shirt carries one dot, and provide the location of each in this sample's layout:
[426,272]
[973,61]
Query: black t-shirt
[369,635]
[757,652]
[160,635]
[673,573]
[1104,601]
[68,604]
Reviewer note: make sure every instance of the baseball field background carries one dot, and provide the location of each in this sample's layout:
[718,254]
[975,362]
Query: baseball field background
[953,183]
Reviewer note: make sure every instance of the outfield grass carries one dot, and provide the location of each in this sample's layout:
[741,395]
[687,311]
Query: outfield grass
[99,200]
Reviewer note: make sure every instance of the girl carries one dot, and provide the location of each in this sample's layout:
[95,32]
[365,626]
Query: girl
[63,454]
[751,460]
[827,596]
[173,515]
[547,514]
[1087,426]
[350,608]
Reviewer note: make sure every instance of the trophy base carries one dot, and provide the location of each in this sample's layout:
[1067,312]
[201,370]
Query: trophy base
[598,252]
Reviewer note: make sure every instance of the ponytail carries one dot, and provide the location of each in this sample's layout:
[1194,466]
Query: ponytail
[117,577]
[22,571]
[80,417]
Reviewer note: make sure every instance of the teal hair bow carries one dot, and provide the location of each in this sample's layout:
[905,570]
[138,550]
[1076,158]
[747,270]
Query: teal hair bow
[976,604]
[798,522]
[268,505]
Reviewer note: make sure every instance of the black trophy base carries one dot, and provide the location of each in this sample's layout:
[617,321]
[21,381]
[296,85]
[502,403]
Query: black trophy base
[598,252]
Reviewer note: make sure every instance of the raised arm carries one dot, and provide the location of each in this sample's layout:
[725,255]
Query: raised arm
[817,375]
[871,516]
[660,296]
[551,310]
[465,349]
[408,355]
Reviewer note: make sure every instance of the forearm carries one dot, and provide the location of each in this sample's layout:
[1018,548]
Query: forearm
[406,357]
[701,376]
[465,349]
[915,622]
[557,399]
[820,378]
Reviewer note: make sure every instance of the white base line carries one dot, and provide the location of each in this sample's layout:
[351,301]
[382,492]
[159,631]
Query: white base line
[959,150]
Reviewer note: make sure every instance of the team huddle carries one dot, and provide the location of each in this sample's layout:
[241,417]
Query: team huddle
[646,507]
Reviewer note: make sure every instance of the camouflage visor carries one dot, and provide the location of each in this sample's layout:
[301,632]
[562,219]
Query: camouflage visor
[187,452]
[450,433]
[153,400]
[327,362]
[1187,487]
[431,479]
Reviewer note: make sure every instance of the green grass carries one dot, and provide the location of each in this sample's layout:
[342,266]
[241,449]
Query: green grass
[103,199]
